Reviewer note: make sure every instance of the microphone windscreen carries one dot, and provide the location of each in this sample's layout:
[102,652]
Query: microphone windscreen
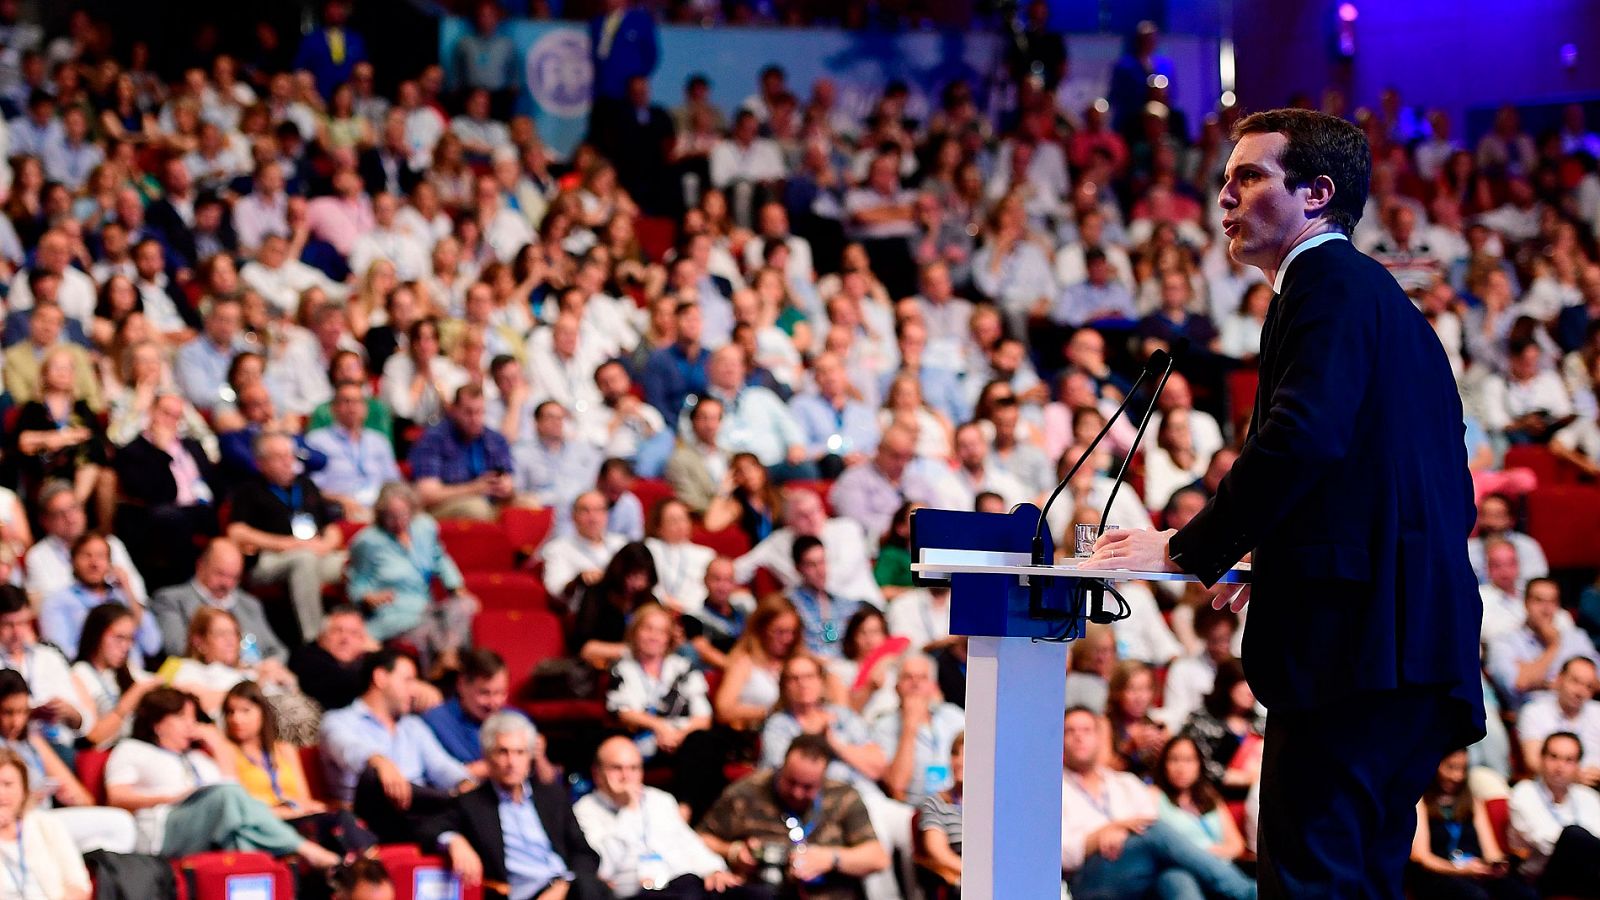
[1180,348]
[1157,362]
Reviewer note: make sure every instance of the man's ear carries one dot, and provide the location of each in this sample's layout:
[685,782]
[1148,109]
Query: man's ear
[1319,195]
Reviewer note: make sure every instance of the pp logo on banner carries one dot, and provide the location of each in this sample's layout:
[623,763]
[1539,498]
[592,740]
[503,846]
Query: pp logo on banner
[249,887]
[560,75]
[434,884]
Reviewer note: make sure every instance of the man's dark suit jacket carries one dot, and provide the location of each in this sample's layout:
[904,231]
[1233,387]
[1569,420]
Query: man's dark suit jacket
[1352,489]
[475,816]
[163,217]
[376,178]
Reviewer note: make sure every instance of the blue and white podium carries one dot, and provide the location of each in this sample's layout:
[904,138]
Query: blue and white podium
[1018,618]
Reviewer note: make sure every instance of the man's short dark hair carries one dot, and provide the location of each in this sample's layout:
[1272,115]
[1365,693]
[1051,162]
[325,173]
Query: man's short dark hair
[362,870]
[803,545]
[703,400]
[809,746]
[1208,617]
[12,599]
[1093,255]
[1575,661]
[1542,579]
[984,497]
[1544,749]
[1079,708]
[384,660]
[480,664]
[1319,144]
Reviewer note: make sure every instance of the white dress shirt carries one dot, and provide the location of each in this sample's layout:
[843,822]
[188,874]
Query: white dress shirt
[49,566]
[845,545]
[1537,820]
[681,570]
[623,835]
[569,555]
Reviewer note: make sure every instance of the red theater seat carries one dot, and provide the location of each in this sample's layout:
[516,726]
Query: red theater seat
[477,546]
[650,492]
[1565,520]
[226,873]
[507,590]
[415,874]
[91,768]
[527,529]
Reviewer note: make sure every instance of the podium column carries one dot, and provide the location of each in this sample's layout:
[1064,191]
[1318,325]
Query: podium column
[1011,822]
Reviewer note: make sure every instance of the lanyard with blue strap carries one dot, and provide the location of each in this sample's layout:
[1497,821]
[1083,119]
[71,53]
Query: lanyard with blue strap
[271,768]
[354,451]
[1101,804]
[291,497]
[20,875]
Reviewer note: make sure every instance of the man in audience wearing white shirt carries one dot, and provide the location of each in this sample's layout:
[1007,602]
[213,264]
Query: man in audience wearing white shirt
[754,420]
[1496,521]
[975,472]
[1503,612]
[642,839]
[846,543]
[387,240]
[1527,660]
[76,295]
[1555,822]
[744,157]
[1190,678]
[583,554]
[281,279]
[1529,399]
[922,616]
[1568,706]
[49,561]
[59,704]
[916,738]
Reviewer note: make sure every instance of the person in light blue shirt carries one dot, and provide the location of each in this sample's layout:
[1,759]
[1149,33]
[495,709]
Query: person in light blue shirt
[1101,296]
[391,572]
[72,156]
[823,616]
[383,760]
[552,468]
[94,582]
[360,460]
[754,420]
[1527,660]
[839,431]
[919,756]
[201,365]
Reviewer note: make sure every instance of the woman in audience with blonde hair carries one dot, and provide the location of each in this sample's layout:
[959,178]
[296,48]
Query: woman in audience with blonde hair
[904,402]
[58,435]
[366,306]
[146,375]
[52,868]
[749,689]
[216,661]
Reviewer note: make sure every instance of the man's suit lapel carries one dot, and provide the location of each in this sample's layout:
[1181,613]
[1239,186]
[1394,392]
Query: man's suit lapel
[482,808]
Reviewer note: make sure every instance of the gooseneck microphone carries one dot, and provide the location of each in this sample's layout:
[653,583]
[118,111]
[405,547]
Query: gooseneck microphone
[1159,362]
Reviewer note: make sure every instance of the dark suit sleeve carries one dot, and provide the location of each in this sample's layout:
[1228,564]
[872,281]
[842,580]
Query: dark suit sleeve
[1326,353]
[452,818]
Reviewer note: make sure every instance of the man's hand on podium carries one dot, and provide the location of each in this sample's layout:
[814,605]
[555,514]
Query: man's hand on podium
[1139,551]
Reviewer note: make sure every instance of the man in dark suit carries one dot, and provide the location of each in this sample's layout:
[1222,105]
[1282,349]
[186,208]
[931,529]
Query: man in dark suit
[514,835]
[387,168]
[172,217]
[1352,490]
[622,44]
[637,136]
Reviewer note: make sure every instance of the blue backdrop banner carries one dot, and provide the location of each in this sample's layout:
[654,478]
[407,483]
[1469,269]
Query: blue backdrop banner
[557,72]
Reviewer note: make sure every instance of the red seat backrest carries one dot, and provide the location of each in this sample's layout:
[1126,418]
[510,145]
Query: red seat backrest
[1565,520]
[731,542]
[316,775]
[1499,810]
[477,546]
[650,492]
[524,637]
[211,875]
[527,529]
[507,590]
[91,767]
[409,868]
